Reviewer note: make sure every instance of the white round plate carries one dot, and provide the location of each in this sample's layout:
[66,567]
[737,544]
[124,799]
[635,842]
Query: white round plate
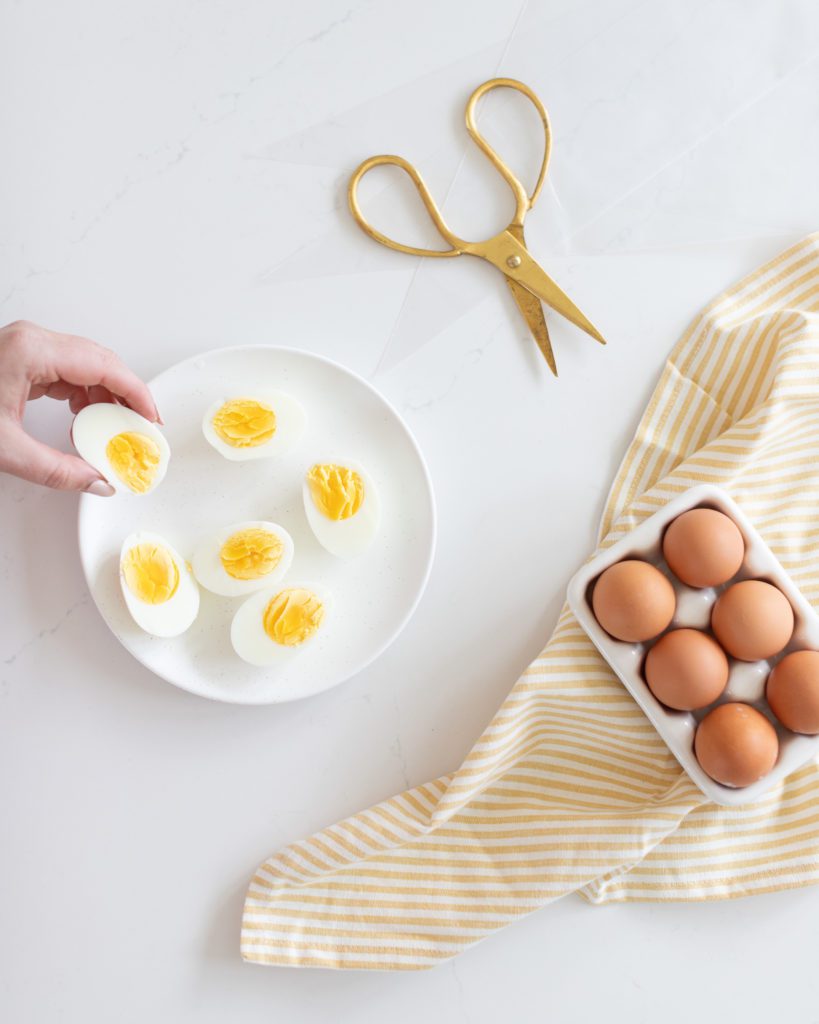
[373,595]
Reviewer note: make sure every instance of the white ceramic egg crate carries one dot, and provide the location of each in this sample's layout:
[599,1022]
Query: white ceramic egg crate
[746,680]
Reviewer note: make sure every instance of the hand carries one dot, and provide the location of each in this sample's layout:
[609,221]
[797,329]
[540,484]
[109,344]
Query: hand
[36,362]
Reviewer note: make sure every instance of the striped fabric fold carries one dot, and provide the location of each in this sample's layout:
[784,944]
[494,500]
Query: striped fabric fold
[570,789]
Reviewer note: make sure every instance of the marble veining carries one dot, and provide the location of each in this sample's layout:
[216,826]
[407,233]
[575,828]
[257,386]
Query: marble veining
[173,180]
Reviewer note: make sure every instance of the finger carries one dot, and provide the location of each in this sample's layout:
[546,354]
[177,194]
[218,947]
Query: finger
[78,400]
[75,394]
[61,390]
[81,361]
[32,460]
[97,393]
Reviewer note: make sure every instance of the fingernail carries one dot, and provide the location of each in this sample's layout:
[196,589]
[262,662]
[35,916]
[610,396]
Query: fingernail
[158,417]
[100,488]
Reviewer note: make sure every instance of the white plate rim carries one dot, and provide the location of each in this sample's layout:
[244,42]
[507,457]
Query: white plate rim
[432,508]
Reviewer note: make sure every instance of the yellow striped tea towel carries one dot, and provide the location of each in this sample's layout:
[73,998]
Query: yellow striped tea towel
[570,789]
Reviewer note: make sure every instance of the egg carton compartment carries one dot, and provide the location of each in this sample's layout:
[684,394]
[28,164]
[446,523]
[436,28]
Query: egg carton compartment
[746,680]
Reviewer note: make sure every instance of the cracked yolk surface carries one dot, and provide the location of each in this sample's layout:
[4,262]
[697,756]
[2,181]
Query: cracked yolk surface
[150,573]
[244,423]
[293,616]
[250,554]
[338,491]
[135,459]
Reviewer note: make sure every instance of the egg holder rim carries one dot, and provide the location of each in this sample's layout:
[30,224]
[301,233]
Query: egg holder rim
[677,728]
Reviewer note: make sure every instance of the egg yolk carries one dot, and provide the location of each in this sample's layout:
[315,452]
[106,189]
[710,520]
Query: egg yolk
[250,554]
[135,459]
[292,617]
[151,573]
[337,491]
[245,423]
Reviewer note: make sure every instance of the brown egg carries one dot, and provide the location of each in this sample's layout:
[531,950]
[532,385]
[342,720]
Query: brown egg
[752,620]
[633,601]
[703,547]
[793,691]
[736,745]
[686,669]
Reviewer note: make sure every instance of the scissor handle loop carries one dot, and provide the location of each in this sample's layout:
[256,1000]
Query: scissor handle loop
[524,201]
[426,197]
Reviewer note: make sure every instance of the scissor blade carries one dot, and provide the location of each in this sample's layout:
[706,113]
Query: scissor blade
[531,308]
[532,311]
[504,248]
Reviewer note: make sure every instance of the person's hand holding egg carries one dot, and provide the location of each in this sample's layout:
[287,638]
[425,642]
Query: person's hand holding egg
[129,451]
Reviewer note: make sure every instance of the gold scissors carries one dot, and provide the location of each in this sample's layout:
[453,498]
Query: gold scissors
[529,283]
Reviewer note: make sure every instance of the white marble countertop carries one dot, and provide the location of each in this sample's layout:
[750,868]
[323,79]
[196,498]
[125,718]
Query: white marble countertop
[172,180]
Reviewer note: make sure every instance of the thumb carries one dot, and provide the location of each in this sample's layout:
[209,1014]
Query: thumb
[32,460]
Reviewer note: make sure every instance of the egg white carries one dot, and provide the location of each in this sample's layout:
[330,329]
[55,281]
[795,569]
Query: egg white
[95,425]
[344,538]
[177,614]
[209,571]
[248,636]
[291,420]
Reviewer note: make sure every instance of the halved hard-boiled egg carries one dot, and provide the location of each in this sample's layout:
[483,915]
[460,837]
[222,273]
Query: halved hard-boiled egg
[273,625]
[254,425]
[158,587]
[242,558]
[129,451]
[342,506]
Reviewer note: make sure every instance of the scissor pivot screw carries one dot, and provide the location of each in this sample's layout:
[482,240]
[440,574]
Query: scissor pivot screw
[514,261]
